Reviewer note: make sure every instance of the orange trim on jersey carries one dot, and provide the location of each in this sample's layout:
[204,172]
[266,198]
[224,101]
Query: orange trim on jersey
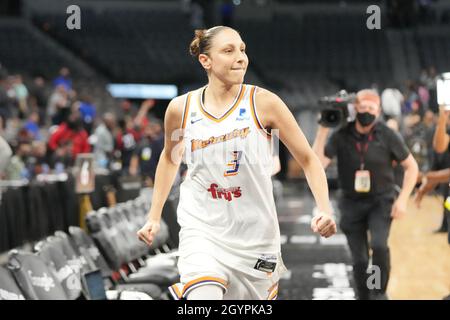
[186,111]
[177,292]
[204,279]
[274,297]
[273,291]
[255,118]
[229,174]
[232,108]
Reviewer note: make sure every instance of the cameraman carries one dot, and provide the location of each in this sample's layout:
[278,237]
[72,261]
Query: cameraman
[366,149]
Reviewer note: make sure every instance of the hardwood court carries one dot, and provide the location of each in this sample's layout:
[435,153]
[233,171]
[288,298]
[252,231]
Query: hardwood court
[420,258]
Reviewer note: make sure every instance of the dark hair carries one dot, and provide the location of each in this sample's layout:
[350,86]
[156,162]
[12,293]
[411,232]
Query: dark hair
[203,39]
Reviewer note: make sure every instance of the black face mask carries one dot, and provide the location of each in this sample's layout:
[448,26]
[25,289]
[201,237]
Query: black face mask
[365,118]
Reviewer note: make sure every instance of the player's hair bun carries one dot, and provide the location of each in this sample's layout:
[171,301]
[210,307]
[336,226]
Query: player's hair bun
[194,48]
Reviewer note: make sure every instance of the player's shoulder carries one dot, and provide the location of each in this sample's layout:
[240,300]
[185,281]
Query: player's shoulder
[177,104]
[264,93]
[178,101]
[265,98]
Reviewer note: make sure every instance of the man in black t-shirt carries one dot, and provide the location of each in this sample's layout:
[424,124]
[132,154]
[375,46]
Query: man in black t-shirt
[366,150]
[146,154]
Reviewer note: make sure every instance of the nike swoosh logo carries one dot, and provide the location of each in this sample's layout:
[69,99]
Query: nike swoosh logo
[194,121]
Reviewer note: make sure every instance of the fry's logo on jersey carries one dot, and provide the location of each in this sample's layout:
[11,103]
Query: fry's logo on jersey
[200,144]
[224,193]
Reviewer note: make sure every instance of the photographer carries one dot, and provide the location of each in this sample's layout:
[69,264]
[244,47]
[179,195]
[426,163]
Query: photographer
[366,149]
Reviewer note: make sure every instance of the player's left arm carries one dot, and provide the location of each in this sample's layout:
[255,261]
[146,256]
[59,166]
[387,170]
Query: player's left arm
[274,114]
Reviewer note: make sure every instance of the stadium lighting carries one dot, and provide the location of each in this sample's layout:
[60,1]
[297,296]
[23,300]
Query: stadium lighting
[142,91]
[443,89]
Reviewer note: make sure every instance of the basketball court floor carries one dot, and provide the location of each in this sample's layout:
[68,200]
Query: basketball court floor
[321,268]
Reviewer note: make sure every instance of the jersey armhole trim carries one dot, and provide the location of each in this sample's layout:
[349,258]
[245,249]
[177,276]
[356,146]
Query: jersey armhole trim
[254,113]
[185,111]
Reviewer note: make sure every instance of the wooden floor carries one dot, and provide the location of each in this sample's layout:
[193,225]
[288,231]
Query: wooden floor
[420,259]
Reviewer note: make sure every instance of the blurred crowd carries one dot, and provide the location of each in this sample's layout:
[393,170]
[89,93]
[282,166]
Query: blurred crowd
[412,111]
[46,123]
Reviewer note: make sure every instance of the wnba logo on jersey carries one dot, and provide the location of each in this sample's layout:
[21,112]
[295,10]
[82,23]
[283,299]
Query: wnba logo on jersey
[224,193]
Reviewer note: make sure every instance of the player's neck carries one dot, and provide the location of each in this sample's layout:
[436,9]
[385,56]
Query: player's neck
[220,94]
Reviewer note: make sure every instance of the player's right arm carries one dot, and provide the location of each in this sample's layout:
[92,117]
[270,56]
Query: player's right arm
[167,168]
[319,145]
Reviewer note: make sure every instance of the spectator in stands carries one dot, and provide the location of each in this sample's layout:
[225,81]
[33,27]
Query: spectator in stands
[32,126]
[141,120]
[58,105]
[431,84]
[87,110]
[127,107]
[126,140]
[5,100]
[38,98]
[39,158]
[21,95]
[63,79]
[5,156]
[391,102]
[61,158]
[419,137]
[104,140]
[70,135]
[424,96]
[146,155]
[365,151]
[412,100]
[17,167]
[429,125]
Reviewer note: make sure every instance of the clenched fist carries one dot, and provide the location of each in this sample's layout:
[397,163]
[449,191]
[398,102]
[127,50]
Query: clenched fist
[324,224]
[148,232]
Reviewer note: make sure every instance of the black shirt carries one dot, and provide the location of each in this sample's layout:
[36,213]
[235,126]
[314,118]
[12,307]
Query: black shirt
[384,146]
[149,152]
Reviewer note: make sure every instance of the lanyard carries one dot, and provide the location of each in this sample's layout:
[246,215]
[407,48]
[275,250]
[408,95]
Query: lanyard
[362,149]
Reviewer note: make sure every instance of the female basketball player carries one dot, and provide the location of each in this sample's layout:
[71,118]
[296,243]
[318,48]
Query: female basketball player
[229,238]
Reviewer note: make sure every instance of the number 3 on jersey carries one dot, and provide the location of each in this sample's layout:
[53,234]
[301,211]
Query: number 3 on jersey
[233,165]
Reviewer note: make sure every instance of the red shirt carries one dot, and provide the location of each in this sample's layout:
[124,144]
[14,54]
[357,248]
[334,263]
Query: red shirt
[64,135]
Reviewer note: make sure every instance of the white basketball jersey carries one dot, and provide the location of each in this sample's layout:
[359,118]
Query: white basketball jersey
[227,196]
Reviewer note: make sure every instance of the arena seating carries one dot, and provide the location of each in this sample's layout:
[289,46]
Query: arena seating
[433,44]
[61,261]
[144,55]
[316,54]
[23,49]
